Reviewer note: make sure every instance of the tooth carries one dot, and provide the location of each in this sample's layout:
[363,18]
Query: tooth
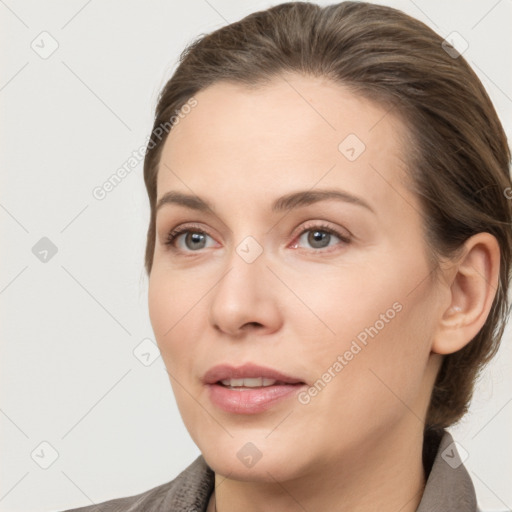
[251,382]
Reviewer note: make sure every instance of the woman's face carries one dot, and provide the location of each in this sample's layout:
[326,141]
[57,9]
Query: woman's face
[333,292]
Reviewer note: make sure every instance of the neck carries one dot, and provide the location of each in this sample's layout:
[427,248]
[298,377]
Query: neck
[385,476]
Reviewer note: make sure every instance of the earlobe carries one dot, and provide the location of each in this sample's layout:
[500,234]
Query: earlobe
[472,288]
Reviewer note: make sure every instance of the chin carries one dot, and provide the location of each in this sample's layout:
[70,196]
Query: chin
[260,460]
[267,471]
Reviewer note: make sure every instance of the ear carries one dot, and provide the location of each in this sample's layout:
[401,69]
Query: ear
[472,284]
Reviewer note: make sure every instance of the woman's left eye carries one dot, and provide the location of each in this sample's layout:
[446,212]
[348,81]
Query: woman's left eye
[193,239]
[318,237]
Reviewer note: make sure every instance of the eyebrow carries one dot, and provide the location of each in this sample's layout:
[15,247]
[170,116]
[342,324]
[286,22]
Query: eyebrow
[284,203]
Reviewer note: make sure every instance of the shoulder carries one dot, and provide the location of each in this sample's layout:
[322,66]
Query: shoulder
[148,500]
[190,490]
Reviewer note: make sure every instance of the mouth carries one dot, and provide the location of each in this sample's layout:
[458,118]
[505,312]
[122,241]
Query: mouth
[249,389]
[248,375]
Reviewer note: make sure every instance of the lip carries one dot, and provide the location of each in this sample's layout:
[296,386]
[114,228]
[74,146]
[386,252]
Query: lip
[249,400]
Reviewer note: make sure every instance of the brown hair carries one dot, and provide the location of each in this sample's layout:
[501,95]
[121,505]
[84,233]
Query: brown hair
[458,160]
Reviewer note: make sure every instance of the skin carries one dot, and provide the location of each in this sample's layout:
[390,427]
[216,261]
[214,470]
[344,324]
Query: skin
[357,444]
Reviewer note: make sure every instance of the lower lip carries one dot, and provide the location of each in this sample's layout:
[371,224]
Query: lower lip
[251,400]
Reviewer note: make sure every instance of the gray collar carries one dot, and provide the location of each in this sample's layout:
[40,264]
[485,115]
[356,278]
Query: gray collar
[449,486]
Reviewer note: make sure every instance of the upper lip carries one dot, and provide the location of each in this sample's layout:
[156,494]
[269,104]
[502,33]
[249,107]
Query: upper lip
[249,370]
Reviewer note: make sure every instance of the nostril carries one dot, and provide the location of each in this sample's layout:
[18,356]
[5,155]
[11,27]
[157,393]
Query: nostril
[254,324]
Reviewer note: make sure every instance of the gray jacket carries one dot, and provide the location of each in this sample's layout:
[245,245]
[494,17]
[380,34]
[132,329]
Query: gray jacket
[448,488]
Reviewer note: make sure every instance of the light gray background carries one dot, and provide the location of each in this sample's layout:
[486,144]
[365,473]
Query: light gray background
[69,376]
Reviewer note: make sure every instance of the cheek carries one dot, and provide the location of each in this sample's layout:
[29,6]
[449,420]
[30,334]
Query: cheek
[339,305]
[177,315]
[172,294]
[368,330]
[171,306]
[162,305]
[363,389]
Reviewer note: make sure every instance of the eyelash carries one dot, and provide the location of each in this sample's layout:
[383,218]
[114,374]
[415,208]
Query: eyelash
[173,235]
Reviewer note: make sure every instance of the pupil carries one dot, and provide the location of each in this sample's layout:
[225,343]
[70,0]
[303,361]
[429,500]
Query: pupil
[319,239]
[195,238]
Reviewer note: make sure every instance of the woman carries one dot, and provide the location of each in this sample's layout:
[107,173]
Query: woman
[329,258]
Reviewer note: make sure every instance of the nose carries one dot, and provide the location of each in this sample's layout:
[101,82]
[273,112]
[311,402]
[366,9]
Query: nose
[245,300]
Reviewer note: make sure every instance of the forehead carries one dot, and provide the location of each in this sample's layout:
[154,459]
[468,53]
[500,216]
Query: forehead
[291,133]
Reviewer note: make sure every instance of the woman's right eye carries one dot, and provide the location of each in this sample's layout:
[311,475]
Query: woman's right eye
[187,240]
